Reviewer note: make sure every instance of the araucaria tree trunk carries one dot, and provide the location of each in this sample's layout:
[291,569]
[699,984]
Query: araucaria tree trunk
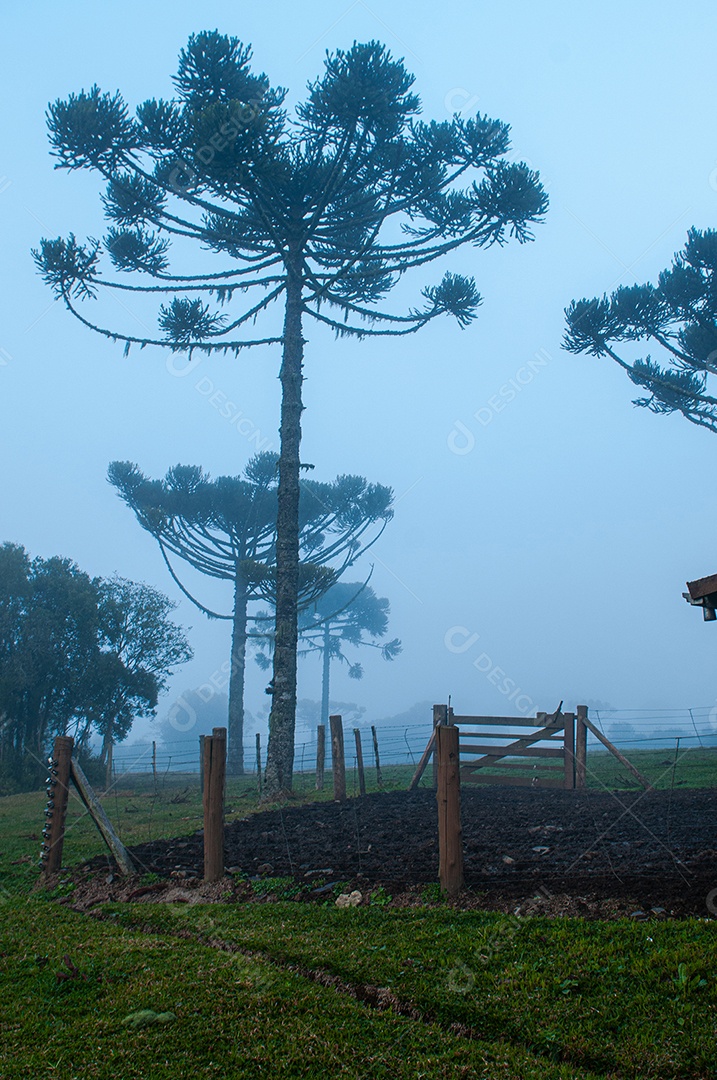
[107,748]
[326,667]
[280,751]
[235,751]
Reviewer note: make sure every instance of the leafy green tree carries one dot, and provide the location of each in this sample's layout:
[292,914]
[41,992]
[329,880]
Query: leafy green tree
[78,656]
[49,647]
[322,212]
[347,614]
[678,315]
[141,648]
[226,528]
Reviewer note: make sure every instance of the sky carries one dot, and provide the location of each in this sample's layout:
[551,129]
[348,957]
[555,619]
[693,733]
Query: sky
[544,528]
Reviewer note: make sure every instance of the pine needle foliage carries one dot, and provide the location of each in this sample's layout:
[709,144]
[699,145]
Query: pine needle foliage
[321,211]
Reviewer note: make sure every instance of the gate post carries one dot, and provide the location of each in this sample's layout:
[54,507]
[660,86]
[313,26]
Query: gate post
[440,716]
[450,839]
[569,749]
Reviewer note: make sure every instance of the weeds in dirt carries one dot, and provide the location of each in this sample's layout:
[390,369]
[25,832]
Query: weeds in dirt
[281,888]
[380,898]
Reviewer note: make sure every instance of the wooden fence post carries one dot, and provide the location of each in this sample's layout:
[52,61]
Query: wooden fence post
[359,761]
[103,823]
[440,716]
[614,750]
[581,747]
[450,839]
[258,762]
[320,756]
[379,777]
[569,749]
[58,790]
[338,765]
[421,767]
[215,759]
[201,764]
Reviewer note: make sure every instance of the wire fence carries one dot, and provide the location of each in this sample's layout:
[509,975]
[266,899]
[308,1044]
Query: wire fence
[403,744]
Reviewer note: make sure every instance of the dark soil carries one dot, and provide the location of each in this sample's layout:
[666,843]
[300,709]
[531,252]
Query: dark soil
[551,851]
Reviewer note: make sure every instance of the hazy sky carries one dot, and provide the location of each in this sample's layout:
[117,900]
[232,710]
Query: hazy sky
[559,526]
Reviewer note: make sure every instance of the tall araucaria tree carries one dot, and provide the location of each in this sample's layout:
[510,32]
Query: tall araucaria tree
[347,614]
[226,528]
[322,212]
[679,315]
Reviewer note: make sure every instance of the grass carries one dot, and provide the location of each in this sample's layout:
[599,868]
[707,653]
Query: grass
[284,989]
[534,997]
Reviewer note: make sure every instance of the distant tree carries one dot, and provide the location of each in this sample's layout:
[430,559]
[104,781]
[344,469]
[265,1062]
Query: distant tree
[679,315]
[308,712]
[78,656]
[226,528]
[197,711]
[50,625]
[323,212]
[141,648]
[348,614]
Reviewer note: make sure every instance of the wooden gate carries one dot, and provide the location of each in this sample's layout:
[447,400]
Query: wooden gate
[543,756]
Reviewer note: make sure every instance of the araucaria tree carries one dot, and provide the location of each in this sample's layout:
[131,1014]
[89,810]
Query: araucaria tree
[679,315]
[349,614]
[323,212]
[226,528]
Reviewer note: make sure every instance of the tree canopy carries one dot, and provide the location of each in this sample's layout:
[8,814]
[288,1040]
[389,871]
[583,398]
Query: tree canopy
[226,528]
[348,614]
[322,210]
[78,656]
[678,315]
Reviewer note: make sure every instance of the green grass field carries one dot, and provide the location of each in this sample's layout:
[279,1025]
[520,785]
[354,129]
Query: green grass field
[295,990]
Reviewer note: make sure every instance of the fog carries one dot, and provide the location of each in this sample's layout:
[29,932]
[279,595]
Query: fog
[544,528]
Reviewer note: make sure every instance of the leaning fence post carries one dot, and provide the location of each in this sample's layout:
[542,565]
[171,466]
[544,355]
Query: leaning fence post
[450,839]
[581,747]
[58,790]
[338,765]
[215,758]
[440,716]
[569,749]
[98,815]
[379,777]
[320,756]
[359,761]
